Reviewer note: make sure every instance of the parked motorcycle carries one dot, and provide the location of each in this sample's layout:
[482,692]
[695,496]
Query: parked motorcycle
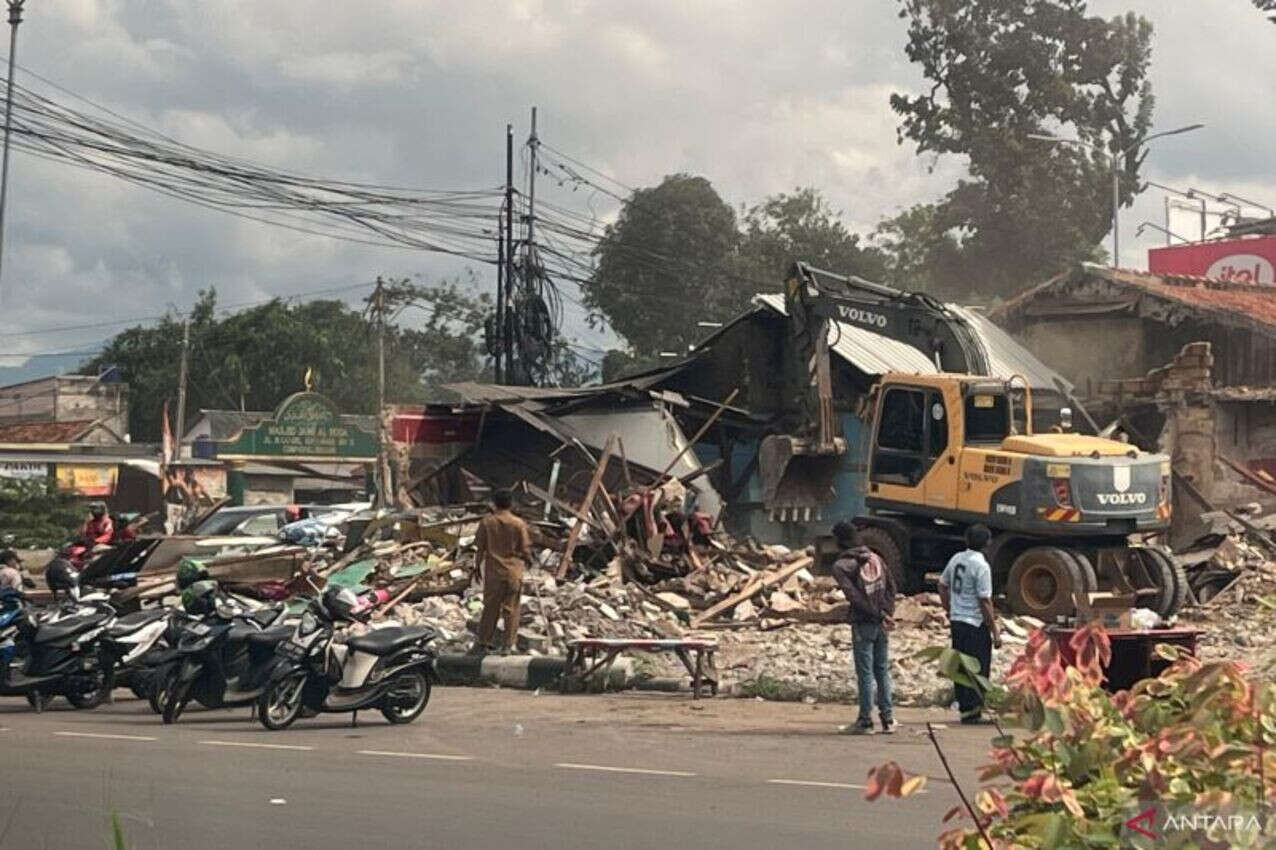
[55,652]
[324,669]
[140,648]
[12,611]
[223,659]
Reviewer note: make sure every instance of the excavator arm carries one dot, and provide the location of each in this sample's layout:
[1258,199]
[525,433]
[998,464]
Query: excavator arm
[797,469]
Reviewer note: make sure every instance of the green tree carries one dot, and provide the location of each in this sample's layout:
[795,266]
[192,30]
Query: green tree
[254,358]
[802,226]
[665,264]
[999,71]
[443,337]
[37,513]
[919,255]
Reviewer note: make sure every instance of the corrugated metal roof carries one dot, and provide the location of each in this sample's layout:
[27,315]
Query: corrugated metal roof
[874,354]
[865,350]
[475,393]
[1007,357]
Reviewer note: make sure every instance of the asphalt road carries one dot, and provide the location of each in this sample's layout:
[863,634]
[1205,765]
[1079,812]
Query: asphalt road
[481,768]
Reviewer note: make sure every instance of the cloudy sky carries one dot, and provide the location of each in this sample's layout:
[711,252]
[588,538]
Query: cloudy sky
[758,96]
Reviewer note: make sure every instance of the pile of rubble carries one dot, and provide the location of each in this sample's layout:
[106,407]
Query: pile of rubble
[781,629]
[780,626]
[1237,614]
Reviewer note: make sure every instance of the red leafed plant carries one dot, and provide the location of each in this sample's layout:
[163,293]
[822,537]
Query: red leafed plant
[1196,738]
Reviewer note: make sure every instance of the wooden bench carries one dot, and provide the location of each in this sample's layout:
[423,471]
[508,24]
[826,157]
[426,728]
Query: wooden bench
[583,659]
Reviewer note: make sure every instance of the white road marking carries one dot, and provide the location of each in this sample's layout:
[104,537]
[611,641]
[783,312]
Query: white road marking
[254,745]
[815,784]
[438,756]
[105,736]
[573,766]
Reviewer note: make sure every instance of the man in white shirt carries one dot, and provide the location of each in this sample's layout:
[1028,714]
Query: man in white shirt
[966,590]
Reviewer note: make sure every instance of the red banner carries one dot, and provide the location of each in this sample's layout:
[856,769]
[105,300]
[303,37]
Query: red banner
[1251,261]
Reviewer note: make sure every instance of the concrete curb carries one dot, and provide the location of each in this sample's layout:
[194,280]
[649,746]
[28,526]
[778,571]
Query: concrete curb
[526,672]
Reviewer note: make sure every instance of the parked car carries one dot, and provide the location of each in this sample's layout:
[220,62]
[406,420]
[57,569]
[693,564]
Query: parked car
[263,520]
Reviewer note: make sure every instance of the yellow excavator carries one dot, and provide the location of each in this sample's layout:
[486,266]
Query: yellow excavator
[1071,514]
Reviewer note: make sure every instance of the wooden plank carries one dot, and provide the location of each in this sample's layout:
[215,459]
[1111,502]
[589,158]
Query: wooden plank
[561,505]
[624,461]
[1249,475]
[586,504]
[761,581]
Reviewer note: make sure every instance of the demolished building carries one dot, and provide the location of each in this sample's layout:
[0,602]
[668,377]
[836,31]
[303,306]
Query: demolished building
[1184,364]
[552,438]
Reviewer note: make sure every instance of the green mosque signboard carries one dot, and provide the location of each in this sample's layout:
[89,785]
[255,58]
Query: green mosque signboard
[305,426]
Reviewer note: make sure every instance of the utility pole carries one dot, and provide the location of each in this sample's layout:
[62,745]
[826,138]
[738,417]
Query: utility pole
[378,308]
[15,18]
[500,294]
[1116,206]
[384,492]
[181,388]
[503,308]
[532,144]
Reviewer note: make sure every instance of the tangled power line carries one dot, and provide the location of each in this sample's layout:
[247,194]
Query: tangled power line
[459,223]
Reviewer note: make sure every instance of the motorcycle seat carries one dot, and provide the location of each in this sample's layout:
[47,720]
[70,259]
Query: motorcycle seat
[50,632]
[130,623]
[390,639]
[271,636]
[263,616]
[240,633]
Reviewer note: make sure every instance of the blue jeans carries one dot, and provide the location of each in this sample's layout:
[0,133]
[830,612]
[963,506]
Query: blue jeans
[872,664]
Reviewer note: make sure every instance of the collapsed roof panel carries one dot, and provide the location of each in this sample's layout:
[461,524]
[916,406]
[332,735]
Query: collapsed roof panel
[865,350]
[874,354]
[1007,357]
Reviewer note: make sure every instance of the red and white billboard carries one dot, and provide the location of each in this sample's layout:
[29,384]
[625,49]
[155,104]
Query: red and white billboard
[1250,261]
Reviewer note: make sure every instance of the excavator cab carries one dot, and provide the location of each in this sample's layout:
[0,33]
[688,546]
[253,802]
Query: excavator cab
[950,450]
[798,469]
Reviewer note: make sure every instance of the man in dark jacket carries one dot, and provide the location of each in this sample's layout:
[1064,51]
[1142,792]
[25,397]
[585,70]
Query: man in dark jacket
[870,589]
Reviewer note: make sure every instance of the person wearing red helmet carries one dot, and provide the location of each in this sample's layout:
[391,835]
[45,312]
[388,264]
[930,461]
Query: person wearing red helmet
[98,528]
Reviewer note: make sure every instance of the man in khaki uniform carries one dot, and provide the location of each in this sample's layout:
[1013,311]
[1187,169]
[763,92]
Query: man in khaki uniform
[504,551]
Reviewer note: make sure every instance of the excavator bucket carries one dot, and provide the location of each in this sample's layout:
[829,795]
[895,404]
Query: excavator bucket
[797,477]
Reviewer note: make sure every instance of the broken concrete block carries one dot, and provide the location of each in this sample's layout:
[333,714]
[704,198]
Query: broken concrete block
[783,603]
[675,600]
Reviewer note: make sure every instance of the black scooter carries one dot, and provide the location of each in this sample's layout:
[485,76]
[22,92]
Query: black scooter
[222,660]
[322,670]
[58,654]
[140,647]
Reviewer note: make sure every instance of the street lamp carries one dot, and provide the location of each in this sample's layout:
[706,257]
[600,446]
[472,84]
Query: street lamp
[1113,159]
[1168,233]
[1223,198]
[15,18]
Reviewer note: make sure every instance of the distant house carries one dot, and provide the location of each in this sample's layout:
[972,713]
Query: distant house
[83,456]
[67,398]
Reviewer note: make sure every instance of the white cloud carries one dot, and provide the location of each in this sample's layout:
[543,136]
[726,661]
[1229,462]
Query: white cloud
[760,97]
